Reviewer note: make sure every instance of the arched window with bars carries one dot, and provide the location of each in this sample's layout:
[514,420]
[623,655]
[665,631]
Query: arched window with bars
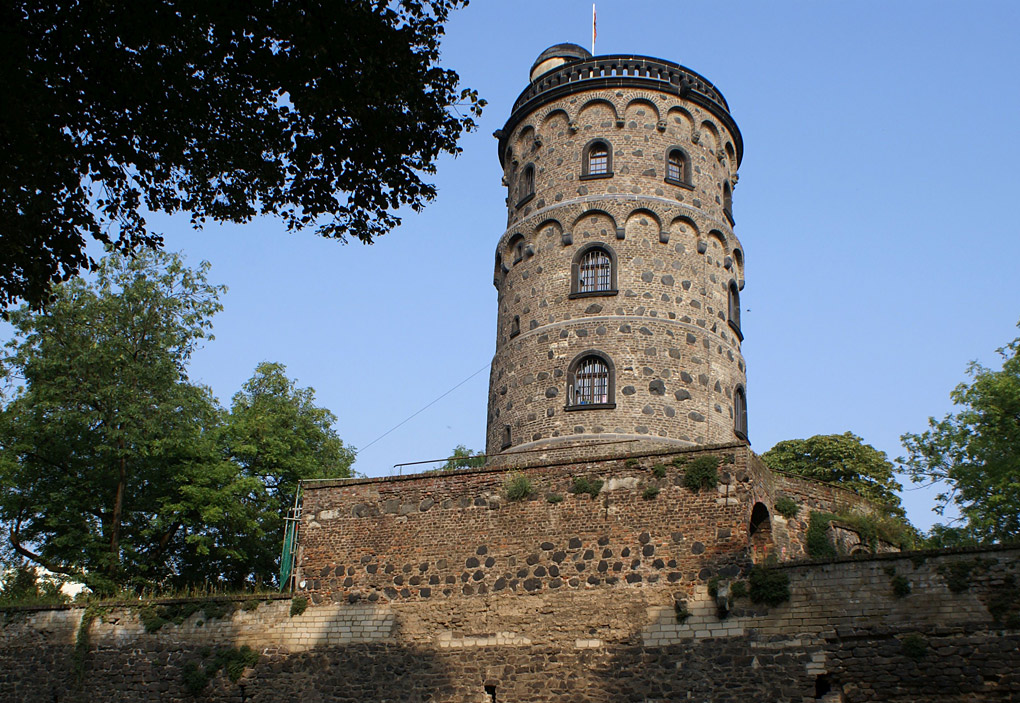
[598,160]
[593,271]
[678,170]
[591,382]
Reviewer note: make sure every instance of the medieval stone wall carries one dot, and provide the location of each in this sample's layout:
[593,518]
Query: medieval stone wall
[846,634]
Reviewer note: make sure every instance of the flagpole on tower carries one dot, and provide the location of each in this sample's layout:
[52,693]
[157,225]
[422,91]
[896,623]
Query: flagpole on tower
[593,30]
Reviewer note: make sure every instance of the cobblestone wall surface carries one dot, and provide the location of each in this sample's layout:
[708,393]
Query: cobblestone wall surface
[665,323]
[845,635]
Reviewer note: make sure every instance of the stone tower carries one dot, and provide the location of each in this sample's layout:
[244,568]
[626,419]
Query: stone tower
[619,275]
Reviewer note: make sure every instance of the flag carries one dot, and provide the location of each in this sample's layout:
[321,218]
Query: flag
[594,31]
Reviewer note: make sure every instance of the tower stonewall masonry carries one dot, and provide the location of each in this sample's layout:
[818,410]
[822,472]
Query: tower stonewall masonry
[619,274]
[617,377]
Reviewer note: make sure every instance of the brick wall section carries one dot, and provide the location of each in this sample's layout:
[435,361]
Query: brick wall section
[844,629]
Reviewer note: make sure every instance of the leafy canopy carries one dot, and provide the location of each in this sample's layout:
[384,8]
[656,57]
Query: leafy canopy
[975,453]
[462,458]
[325,113]
[841,459]
[115,468]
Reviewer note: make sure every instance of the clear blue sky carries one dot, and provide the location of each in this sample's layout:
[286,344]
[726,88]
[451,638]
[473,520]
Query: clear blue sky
[874,205]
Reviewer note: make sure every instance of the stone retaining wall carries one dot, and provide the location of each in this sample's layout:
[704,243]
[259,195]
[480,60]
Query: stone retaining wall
[846,634]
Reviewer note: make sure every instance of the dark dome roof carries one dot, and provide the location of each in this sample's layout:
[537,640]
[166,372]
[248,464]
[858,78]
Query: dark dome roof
[566,52]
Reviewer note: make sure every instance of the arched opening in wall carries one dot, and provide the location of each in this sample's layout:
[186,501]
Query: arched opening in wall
[727,201]
[515,326]
[497,274]
[733,306]
[678,168]
[515,248]
[759,533]
[591,382]
[506,438]
[526,190]
[593,271]
[597,161]
[740,412]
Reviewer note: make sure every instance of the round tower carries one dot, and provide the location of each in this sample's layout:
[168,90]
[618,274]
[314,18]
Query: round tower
[619,276]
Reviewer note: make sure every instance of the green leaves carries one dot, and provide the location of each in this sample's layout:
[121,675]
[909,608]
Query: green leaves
[975,453]
[842,459]
[324,114]
[115,468]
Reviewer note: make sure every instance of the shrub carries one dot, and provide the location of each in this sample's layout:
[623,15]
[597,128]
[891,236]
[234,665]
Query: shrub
[818,544]
[582,484]
[554,498]
[250,605]
[517,487]
[738,589]
[631,463]
[659,471]
[298,605]
[680,461]
[682,613]
[713,587]
[769,586]
[650,493]
[702,472]
[787,507]
[217,609]
[152,621]
[900,586]
[915,646]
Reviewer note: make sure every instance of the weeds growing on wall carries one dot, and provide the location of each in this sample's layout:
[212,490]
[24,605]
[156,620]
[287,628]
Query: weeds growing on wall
[787,507]
[232,661]
[583,484]
[768,585]
[298,605]
[650,493]
[681,611]
[914,646]
[702,472]
[871,528]
[1004,602]
[957,574]
[900,586]
[82,642]
[659,471]
[632,463]
[154,617]
[554,498]
[517,487]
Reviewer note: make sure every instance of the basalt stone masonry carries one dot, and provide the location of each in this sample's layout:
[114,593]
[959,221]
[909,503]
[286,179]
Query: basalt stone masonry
[619,247]
[846,634]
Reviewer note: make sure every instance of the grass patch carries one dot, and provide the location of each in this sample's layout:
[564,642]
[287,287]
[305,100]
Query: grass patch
[702,473]
[632,463]
[787,507]
[298,605]
[659,471]
[554,498]
[517,487]
[768,586]
[650,493]
[583,484]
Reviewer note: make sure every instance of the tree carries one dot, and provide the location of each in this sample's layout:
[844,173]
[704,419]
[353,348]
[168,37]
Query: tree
[841,459]
[103,440]
[462,458]
[324,113]
[975,452]
[277,437]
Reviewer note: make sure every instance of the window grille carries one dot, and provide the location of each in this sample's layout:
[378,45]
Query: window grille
[598,160]
[675,167]
[595,272]
[591,382]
